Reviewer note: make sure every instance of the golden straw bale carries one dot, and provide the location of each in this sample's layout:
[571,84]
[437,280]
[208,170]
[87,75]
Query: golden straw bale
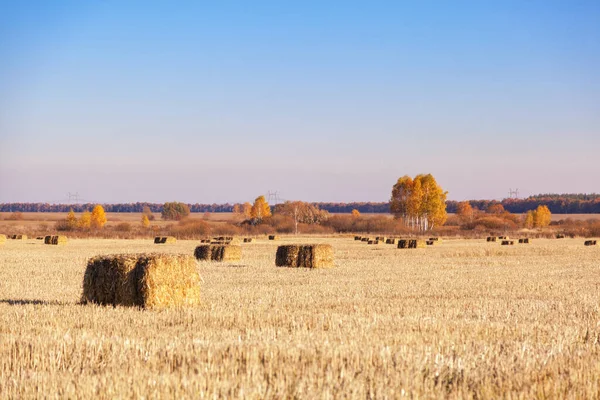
[2,238]
[273,237]
[365,239]
[590,243]
[524,241]
[56,240]
[212,252]
[390,241]
[416,244]
[164,240]
[560,236]
[18,237]
[503,237]
[287,255]
[48,239]
[305,256]
[508,242]
[357,238]
[247,240]
[143,280]
[403,244]
[491,238]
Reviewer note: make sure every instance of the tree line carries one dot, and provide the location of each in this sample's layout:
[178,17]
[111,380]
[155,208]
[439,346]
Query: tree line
[556,203]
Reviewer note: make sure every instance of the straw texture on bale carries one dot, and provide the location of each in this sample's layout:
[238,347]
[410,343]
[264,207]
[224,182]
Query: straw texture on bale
[273,237]
[164,240]
[143,280]
[2,238]
[508,242]
[590,243]
[212,252]
[524,241]
[305,256]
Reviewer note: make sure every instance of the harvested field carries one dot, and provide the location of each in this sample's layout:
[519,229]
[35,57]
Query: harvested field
[461,320]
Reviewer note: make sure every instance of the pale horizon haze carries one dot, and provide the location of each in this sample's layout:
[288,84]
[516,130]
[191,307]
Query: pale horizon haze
[214,102]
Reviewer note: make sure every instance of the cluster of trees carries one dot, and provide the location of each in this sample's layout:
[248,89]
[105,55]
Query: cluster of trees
[496,217]
[419,202]
[94,220]
[174,211]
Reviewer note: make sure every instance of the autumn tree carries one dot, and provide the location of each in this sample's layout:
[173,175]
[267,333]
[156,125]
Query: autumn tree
[175,211]
[355,213]
[148,213]
[465,212]
[71,220]
[145,221]
[301,212]
[98,217]
[237,209]
[260,209]
[529,220]
[496,208]
[419,202]
[85,221]
[247,210]
[542,216]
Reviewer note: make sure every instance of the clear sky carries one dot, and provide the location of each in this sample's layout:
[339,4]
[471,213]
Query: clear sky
[221,101]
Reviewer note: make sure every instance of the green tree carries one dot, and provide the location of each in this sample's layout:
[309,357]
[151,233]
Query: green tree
[175,211]
[98,217]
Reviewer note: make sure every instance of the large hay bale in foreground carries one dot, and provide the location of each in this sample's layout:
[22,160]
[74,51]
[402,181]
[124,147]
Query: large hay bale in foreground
[590,243]
[305,256]
[143,280]
[217,252]
[164,240]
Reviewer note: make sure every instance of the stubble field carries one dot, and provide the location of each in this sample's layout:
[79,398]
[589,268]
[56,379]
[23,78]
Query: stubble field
[465,319]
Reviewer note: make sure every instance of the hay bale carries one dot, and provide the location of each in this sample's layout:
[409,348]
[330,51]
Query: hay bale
[503,237]
[435,239]
[524,241]
[403,244]
[491,238]
[204,240]
[590,243]
[357,238]
[212,252]
[430,242]
[2,238]
[508,242]
[55,240]
[365,239]
[273,237]
[247,240]
[416,244]
[287,255]
[18,237]
[164,240]
[143,280]
[381,239]
[390,241]
[39,238]
[560,236]
[373,242]
[305,256]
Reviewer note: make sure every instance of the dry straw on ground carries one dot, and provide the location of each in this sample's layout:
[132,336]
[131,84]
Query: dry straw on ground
[143,280]
[165,240]
[212,252]
[305,256]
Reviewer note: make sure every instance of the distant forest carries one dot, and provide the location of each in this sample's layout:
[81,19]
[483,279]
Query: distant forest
[557,203]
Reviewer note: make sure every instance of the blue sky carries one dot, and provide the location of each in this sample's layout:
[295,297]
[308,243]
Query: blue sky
[323,101]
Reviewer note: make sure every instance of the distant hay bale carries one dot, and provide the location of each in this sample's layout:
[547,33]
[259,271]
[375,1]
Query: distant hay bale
[247,240]
[491,238]
[590,243]
[365,239]
[503,237]
[39,238]
[508,242]
[373,242]
[55,240]
[390,241]
[430,242]
[143,280]
[164,240]
[204,240]
[273,237]
[524,241]
[18,237]
[403,244]
[357,238]
[212,252]
[411,244]
[2,238]
[381,239]
[435,239]
[560,236]
[305,256]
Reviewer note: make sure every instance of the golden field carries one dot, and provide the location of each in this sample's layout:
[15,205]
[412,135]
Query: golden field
[464,319]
